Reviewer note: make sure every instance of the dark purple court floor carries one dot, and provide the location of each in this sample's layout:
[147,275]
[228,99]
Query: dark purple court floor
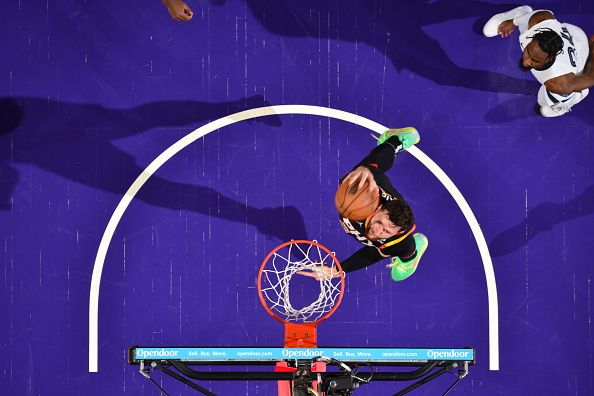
[92,92]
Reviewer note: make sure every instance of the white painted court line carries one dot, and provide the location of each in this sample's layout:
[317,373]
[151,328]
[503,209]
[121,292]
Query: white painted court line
[286,109]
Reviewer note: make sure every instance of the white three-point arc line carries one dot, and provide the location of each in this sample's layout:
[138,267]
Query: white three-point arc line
[267,111]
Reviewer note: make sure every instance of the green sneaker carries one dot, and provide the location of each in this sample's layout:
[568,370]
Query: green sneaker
[402,270]
[408,136]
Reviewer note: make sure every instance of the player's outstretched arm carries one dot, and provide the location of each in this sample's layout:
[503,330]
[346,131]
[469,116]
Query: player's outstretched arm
[360,259]
[178,10]
[506,28]
[321,273]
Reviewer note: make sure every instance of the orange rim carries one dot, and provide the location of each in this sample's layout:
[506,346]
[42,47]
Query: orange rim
[295,242]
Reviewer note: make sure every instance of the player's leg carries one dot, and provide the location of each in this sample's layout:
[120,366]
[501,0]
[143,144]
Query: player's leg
[555,105]
[403,268]
[519,15]
[408,136]
[389,143]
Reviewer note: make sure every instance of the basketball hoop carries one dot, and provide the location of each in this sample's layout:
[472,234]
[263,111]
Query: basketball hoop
[300,303]
[291,304]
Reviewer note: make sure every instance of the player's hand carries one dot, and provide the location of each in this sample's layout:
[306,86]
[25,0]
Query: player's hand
[321,273]
[506,28]
[178,10]
[362,174]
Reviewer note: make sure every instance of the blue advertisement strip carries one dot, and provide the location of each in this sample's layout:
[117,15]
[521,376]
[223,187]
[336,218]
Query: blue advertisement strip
[276,354]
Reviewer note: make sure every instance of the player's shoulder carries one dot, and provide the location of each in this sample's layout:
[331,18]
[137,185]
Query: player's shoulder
[539,17]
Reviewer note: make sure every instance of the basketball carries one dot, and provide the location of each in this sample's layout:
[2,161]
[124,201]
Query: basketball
[356,204]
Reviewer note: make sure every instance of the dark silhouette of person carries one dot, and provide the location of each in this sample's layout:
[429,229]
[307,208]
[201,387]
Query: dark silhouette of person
[74,141]
[542,218]
[396,29]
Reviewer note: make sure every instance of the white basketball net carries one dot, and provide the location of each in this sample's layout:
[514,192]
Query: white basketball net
[276,282]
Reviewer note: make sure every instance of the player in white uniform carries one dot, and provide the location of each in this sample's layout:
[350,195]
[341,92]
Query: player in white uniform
[556,53]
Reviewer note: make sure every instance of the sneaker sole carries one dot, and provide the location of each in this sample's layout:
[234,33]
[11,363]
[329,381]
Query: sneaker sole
[400,277]
[413,131]
[545,112]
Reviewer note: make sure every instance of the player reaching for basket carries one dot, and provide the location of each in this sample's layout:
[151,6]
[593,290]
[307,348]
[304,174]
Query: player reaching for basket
[374,213]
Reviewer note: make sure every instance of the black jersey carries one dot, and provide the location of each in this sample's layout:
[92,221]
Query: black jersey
[387,193]
[379,160]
